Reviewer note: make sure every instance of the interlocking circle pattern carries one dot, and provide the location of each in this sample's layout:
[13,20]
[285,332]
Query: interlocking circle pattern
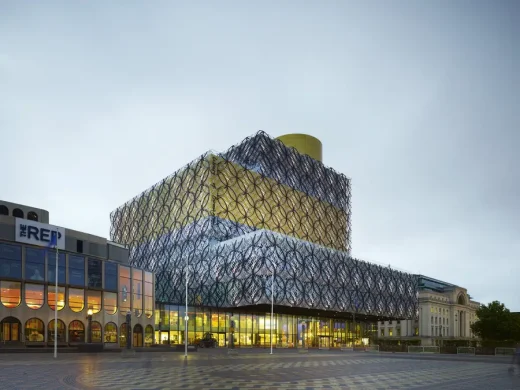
[233,218]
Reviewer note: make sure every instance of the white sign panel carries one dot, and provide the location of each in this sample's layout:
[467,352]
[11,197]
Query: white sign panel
[36,233]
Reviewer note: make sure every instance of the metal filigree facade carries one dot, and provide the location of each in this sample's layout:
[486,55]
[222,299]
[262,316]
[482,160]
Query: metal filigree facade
[233,217]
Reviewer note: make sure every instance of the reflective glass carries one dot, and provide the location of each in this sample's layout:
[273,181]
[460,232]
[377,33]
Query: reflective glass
[10,261]
[10,294]
[76,270]
[95,273]
[34,264]
[34,295]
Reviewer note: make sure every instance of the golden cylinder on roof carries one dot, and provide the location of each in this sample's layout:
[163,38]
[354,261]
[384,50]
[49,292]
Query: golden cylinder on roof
[304,144]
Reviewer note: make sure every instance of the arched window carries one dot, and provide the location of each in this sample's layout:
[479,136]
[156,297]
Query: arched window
[34,295]
[17,213]
[110,302]
[138,336]
[51,292]
[11,329]
[61,331]
[94,300]
[76,332]
[122,335]
[10,294]
[34,330]
[76,299]
[461,300]
[110,333]
[148,335]
[32,216]
[4,210]
[95,329]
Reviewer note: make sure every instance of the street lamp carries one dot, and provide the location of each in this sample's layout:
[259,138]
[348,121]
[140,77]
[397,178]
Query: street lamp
[89,330]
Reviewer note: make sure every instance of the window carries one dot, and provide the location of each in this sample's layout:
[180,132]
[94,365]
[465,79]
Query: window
[17,213]
[382,332]
[122,334]
[94,301]
[34,264]
[110,276]
[35,330]
[31,215]
[51,301]
[124,289]
[34,295]
[10,294]
[137,289]
[95,331]
[416,332]
[391,331]
[398,332]
[61,331]
[51,267]
[79,246]
[110,302]
[148,294]
[148,335]
[10,261]
[110,333]
[4,210]
[76,270]
[76,332]
[94,273]
[76,299]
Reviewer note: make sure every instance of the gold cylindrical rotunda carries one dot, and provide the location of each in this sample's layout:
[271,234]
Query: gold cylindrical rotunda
[304,144]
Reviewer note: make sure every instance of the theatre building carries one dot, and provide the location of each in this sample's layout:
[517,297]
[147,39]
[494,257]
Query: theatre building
[97,286]
[265,221]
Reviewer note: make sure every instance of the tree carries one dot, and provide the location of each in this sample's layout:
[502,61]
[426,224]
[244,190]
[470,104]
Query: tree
[496,323]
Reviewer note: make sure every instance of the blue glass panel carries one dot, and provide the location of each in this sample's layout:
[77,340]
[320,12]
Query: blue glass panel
[110,276]
[34,264]
[94,273]
[51,267]
[10,261]
[76,270]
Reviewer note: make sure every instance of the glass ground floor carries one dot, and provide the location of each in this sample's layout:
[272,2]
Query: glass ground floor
[256,329]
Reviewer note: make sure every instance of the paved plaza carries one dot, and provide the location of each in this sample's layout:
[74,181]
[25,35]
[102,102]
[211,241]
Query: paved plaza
[215,369]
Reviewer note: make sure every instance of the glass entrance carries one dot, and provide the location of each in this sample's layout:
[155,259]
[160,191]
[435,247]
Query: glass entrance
[11,329]
[324,342]
[221,339]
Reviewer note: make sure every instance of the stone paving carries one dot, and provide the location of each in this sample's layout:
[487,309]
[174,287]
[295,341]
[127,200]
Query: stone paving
[255,370]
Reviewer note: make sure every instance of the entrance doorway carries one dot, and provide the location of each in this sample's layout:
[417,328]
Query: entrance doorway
[11,329]
[138,336]
[324,342]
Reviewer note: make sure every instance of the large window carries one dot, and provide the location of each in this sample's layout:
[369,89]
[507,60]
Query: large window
[34,264]
[10,294]
[35,330]
[110,302]
[94,273]
[148,294]
[137,288]
[110,276]
[94,301]
[76,332]
[51,267]
[34,295]
[76,299]
[124,290]
[10,261]
[51,297]
[110,333]
[61,331]
[76,270]
[95,329]
[123,334]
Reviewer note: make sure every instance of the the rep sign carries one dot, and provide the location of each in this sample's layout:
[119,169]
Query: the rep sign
[36,233]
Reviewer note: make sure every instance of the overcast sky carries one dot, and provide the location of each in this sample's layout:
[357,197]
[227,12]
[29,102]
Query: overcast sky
[416,101]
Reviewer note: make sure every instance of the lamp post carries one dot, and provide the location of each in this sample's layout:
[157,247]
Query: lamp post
[89,328]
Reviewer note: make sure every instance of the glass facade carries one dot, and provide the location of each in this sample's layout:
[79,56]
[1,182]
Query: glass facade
[10,261]
[76,270]
[256,329]
[34,264]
